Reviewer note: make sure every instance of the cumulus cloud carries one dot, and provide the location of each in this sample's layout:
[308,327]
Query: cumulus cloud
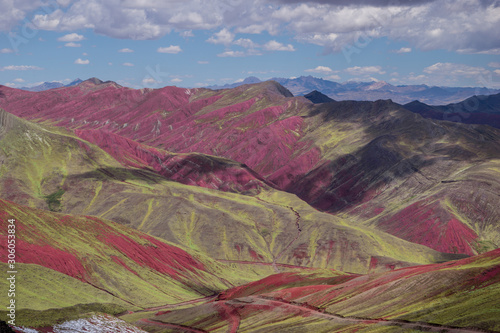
[246,43]
[15,11]
[320,69]
[74,37]
[19,80]
[231,54]
[453,69]
[71,44]
[277,46]
[186,34]
[364,71]
[6,50]
[20,68]
[82,62]
[149,81]
[172,49]
[467,26]
[494,64]
[222,37]
[404,50]
[449,74]
[176,80]
[333,77]
[126,50]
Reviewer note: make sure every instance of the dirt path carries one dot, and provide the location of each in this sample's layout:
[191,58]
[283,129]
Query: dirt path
[181,327]
[171,306]
[299,230]
[230,313]
[428,327]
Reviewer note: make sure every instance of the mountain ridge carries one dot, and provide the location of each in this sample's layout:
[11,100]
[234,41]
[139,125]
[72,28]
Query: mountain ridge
[371,91]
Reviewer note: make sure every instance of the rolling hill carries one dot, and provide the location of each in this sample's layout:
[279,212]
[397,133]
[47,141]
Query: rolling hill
[452,297]
[374,163]
[213,192]
[268,225]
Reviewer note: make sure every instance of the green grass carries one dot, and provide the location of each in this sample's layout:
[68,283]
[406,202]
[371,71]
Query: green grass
[54,200]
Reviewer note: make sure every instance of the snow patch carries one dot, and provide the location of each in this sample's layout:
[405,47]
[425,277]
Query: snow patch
[25,330]
[97,324]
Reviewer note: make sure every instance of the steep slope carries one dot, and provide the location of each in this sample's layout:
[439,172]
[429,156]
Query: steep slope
[86,260]
[456,296]
[474,110]
[191,169]
[58,171]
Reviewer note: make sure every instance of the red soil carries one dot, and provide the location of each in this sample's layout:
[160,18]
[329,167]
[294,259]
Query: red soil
[431,225]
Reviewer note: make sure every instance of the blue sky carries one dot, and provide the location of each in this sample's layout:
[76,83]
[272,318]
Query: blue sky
[191,43]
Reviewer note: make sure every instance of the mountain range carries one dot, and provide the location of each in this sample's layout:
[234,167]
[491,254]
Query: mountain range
[247,209]
[51,85]
[372,91]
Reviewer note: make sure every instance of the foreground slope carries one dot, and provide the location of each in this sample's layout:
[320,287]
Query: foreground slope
[456,296]
[50,170]
[67,260]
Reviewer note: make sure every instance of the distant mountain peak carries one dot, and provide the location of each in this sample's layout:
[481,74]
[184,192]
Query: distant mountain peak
[93,82]
[278,88]
[316,97]
[378,85]
[251,80]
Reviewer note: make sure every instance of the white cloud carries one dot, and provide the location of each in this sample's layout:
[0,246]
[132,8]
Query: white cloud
[20,68]
[320,69]
[277,46]
[404,50]
[128,64]
[74,37]
[149,81]
[497,71]
[453,69]
[231,54]
[367,70]
[202,62]
[494,64]
[333,77]
[82,62]
[18,80]
[469,26]
[172,49]
[246,43]
[222,37]
[239,80]
[6,50]
[176,80]
[186,34]
[126,50]
[71,44]
[15,11]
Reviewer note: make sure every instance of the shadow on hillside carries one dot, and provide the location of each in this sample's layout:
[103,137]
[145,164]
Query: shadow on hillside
[119,174]
[400,144]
